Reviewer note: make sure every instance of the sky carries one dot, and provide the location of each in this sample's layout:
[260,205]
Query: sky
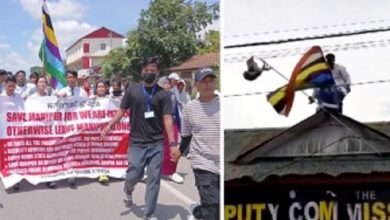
[21,28]
[366,57]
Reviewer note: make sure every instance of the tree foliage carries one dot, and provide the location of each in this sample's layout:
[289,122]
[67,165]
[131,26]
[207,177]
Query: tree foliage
[210,44]
[168,29]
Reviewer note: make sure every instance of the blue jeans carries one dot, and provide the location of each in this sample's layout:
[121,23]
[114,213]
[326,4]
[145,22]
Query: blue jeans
[139,157]
[330,97]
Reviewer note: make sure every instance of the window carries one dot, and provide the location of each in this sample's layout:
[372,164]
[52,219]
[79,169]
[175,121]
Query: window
[102,46]
[86,48]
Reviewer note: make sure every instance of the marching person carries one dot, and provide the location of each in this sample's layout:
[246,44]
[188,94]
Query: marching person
[71,90]
[150,110]
[3,77]
[101,88]
[200,129]
[21,88]
[10,87]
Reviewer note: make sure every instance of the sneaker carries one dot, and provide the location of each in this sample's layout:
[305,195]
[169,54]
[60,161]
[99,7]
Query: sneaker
[72,181]
[196,211]
[128,200]
[103,179]
[51,185]
[176,178]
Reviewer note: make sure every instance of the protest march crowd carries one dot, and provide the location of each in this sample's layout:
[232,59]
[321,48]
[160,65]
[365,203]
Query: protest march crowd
[165,123]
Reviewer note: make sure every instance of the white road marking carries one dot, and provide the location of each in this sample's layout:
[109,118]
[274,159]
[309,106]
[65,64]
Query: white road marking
[188,201]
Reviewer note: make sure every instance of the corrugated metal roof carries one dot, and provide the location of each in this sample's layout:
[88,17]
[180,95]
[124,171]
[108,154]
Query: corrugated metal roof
[307,166]
[248,142]
[198,61]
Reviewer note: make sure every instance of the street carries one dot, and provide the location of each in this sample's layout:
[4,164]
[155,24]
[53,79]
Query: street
[91,200]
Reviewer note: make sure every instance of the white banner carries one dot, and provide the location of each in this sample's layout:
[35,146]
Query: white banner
[47,139]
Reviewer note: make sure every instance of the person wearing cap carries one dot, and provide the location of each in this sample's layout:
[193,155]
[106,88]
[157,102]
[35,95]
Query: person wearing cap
[3,76]
[173,79]
[150,112]
[200,131]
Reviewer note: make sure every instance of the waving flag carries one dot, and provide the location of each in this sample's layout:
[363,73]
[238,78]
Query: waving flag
[49,52]
[311,71]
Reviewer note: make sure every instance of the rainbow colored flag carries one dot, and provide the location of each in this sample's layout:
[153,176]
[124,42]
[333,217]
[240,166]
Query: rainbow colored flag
[49,52]
[311,71]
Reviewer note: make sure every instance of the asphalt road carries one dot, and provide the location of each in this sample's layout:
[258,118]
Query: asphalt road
[91,200]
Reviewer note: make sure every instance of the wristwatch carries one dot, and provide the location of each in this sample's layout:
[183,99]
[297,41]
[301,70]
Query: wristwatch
[172,143]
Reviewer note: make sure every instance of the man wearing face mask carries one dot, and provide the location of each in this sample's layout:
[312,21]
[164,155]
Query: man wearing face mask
[150,112]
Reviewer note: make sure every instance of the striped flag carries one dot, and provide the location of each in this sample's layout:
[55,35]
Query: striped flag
[311,71]
[49,52]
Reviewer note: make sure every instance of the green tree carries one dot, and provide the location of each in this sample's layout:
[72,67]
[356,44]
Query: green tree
[210,44]
[168,29]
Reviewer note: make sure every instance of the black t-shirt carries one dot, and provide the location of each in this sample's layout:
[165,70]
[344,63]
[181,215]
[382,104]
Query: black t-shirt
[147,130]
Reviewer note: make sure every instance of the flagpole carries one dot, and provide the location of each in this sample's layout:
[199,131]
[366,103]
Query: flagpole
[280,74]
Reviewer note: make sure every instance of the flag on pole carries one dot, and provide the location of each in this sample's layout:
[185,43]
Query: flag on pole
[49,52]
[311,71]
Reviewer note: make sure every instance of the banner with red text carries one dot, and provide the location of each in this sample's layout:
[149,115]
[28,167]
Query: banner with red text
[47,139]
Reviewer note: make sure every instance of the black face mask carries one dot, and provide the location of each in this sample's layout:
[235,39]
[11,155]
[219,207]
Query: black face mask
[149,77]
[117,93]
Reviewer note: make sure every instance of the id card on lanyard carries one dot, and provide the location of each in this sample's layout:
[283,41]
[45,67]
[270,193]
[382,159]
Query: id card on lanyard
[149,111]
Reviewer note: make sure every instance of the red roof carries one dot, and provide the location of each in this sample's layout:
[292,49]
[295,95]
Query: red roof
[102,32]
[198,61]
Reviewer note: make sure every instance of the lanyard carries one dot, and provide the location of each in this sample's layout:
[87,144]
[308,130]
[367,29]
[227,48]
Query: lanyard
[149,97]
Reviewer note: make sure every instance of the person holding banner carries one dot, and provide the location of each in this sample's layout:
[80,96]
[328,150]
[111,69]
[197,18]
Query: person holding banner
[71,90]
[10,87]
[22,88]
[100,89]
[41,91]
[41,87]
[150,110]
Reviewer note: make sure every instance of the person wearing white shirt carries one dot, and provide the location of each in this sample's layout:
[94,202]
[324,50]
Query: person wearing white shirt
[10,87]
[9,90]
[22,89]
[72,89]
[332,98]
[41,89]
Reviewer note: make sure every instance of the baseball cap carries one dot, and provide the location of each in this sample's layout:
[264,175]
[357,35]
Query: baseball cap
[203,72]
[162,81]
[174,76]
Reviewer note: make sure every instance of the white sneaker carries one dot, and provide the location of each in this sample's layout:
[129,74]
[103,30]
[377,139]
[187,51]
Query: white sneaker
[176,178]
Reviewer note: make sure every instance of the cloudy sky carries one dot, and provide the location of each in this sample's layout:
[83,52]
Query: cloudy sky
[20,25]
[366,57]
